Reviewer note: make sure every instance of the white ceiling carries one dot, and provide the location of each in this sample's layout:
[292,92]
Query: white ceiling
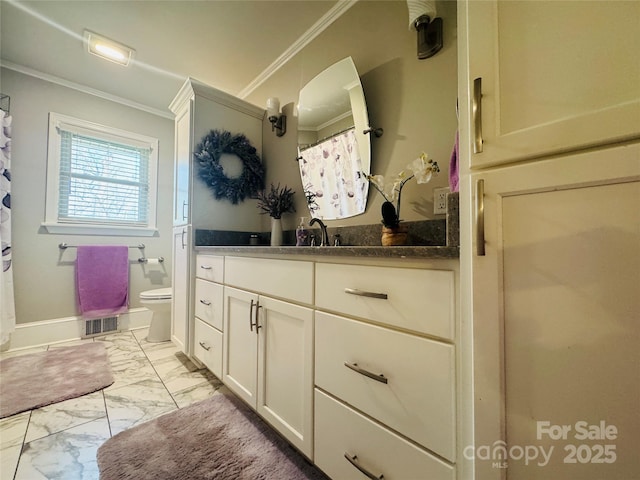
[228,44]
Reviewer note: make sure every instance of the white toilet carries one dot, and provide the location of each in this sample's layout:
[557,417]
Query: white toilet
[159,302]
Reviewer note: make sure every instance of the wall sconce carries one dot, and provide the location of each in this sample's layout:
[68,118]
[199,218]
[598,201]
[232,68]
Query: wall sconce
[422,18]
[278,120]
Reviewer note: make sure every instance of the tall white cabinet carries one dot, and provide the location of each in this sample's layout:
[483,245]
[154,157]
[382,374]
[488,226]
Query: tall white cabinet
[198,109]
[550,230]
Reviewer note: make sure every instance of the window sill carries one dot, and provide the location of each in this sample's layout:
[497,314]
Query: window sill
[113,230]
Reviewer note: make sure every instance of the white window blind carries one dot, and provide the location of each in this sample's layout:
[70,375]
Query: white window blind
[102,181]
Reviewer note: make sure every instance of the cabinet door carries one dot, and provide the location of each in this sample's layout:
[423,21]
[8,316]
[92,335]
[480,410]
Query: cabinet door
[555,314]
[555,76]
[285,370]
[181,282]
[182,166]
[240,350]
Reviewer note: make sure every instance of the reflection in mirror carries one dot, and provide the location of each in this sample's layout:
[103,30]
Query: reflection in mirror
[333,149]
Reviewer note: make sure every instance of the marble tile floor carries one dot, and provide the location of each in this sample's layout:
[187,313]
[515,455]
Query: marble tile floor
[60,441]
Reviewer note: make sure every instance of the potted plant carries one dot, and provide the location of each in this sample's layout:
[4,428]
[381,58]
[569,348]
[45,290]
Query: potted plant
[275,202]
[422,169]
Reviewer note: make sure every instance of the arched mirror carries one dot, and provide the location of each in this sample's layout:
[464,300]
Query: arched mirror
[333,148]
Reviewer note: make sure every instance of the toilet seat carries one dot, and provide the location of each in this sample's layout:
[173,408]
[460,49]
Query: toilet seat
[156,294]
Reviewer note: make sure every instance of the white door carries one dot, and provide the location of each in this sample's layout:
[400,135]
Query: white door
[182,166]
[240,349]
[555,317]
[285,370]
[181,284]
[555,76]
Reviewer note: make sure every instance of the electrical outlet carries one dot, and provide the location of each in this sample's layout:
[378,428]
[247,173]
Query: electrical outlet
[440,200]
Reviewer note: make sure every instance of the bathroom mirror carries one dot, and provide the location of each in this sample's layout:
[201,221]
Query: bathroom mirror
[333,149]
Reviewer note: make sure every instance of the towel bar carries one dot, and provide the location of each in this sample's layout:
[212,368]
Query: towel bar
[63,246]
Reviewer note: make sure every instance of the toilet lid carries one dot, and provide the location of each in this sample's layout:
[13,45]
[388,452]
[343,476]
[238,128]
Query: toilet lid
[156,294]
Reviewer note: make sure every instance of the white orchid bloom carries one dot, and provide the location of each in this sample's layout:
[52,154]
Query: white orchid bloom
[423,168]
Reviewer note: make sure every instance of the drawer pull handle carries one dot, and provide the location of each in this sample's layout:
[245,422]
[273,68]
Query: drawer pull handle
[476,115]
[362,293]
[480,242]
[378,377]
[251,324]
[205,346]
[205,302]
[206,267]
[352,460]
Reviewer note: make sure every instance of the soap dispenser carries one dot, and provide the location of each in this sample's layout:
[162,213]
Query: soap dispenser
[302,235]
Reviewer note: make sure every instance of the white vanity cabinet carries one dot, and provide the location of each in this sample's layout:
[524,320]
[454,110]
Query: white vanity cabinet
[385,372]
[268,342]
[209,298]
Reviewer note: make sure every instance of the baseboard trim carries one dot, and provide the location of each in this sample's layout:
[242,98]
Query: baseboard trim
[59,330]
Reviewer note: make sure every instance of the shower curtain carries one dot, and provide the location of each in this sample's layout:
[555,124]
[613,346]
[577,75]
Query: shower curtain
[7,305]
[331,172]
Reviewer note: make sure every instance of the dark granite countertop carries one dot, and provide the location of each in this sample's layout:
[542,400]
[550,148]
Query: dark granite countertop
[433,252]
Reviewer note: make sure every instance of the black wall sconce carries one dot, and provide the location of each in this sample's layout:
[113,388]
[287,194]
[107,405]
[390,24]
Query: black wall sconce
[278,120]
[422,18]
[429,36]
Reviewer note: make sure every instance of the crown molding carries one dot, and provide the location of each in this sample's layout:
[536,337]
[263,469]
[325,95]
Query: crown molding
[84,89]
[316,29]
[193,87]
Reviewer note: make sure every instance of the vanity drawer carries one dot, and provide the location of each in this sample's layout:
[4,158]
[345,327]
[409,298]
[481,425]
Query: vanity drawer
[418,398]
[209,302]
[413,299]
[288,279]
[210,267]
[341,431]
[208,347]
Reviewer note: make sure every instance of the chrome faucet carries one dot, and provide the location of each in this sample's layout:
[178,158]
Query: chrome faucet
[325,236]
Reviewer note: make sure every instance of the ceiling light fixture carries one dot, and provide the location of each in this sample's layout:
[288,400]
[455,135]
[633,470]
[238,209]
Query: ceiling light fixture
[107,48]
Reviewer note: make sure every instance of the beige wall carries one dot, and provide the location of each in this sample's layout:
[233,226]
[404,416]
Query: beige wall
[413,100]
[43,274]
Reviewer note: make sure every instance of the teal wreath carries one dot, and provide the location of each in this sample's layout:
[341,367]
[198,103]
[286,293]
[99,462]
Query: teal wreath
[207,154]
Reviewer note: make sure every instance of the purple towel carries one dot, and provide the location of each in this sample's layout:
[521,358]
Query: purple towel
[453,167]
[102,276]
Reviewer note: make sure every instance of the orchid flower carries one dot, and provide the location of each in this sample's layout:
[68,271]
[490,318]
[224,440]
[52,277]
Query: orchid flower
[422,168]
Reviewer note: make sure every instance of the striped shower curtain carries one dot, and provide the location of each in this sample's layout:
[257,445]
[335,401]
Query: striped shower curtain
[7,306]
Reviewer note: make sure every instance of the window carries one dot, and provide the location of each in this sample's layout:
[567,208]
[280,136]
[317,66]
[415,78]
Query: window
[100,180]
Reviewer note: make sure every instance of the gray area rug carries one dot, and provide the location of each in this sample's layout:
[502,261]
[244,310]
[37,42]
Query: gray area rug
[218,438]
[38,379]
